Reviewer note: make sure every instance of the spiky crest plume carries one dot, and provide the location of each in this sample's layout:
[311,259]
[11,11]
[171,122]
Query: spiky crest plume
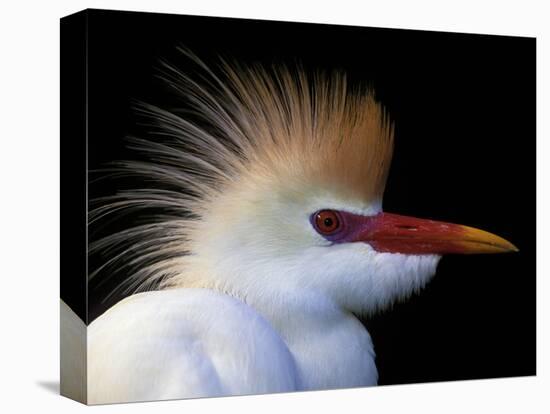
[239,124]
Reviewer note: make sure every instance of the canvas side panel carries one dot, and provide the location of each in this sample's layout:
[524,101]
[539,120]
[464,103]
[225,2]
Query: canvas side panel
[73,206]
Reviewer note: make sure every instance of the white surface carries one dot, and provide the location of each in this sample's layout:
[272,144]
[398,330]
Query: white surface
[29,208]
[73,381]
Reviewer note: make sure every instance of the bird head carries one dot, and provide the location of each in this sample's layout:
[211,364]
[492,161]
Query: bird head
[282,181]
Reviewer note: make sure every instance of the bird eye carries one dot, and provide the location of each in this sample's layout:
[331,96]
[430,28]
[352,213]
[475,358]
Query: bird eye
[326,221]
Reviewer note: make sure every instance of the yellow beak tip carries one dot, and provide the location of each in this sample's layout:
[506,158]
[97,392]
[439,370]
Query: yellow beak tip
[480,241]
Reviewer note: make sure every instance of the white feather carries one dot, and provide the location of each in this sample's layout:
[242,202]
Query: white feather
[183,344]
[188,343]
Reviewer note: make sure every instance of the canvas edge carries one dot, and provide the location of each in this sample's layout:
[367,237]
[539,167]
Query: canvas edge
[74,205]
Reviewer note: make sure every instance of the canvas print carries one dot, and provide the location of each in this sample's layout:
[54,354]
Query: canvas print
[254,207]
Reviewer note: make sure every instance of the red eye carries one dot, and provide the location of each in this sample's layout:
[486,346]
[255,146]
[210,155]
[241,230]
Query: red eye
[326,221]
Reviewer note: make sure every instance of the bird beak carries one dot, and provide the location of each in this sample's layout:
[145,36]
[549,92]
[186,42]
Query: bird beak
[401,234]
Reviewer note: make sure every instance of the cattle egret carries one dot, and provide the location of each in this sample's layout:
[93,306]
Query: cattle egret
[271,241]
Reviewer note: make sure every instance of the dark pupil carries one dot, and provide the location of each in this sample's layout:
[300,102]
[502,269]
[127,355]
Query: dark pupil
[329,222]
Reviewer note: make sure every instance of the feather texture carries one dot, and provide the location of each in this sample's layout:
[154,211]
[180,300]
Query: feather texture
[241,125]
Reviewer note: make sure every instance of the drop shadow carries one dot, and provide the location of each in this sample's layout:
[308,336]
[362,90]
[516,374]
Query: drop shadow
[50,386]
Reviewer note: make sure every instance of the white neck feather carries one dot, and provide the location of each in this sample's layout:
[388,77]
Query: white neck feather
[332,349]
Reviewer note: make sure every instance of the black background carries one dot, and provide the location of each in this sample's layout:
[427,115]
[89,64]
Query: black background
[464,109]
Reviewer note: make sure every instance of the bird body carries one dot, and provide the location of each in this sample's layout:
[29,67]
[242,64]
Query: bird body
[271,239]
[186,343]
[196,342]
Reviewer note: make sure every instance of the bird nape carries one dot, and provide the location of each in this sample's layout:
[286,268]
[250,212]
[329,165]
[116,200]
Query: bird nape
[270,239]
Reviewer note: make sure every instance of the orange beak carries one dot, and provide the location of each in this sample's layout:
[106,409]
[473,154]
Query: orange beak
[401,234]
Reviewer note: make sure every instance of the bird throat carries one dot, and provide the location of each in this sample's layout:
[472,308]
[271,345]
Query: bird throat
[330,346]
